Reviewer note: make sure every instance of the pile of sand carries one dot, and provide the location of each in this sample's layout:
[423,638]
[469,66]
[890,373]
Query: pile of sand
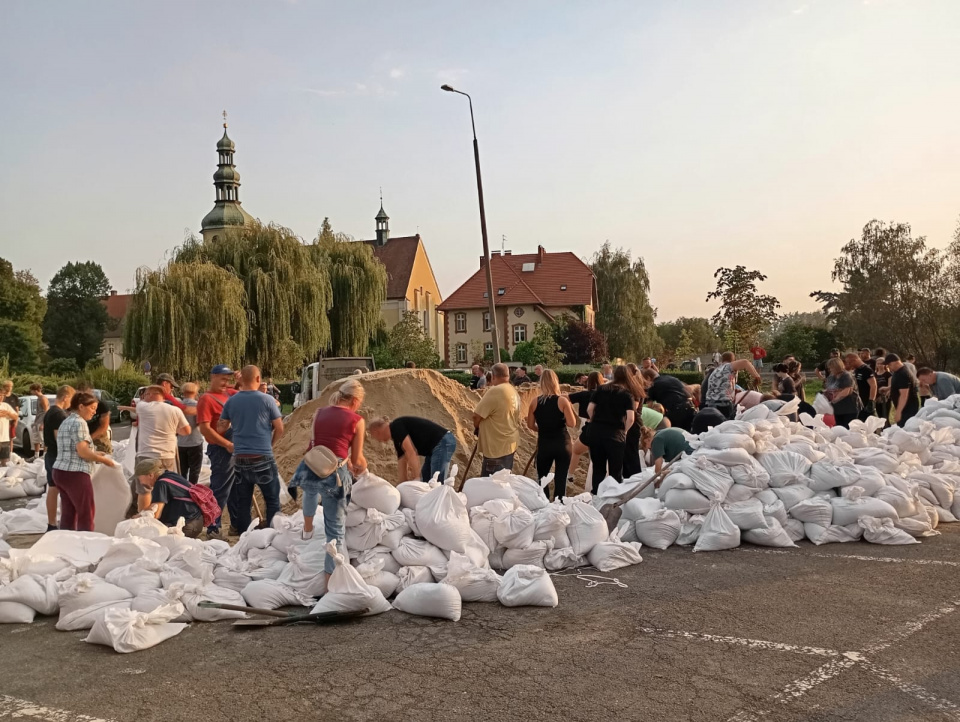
[403,392]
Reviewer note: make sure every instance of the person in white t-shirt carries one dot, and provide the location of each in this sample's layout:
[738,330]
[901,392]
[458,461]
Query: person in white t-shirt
[158,425]
[7,414]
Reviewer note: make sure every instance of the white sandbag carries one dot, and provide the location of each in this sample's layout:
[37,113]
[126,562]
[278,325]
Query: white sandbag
[751,475]
[675,480]
[87,590]
[739,492]
[481,521]
[785,468]
[714,440]
[413,552]
[86,617]
[480,490]
[346,590]
[711,479]
[39,593]
[395,528]
[128,631]
[514,529]
[611,491]
[126,551]
[587,527]
[614,553]
[832,534]
[408,576]
[550,523]
[746,514]
[367,534]
[372,492]
[384,554]
[814,511]
[11,487]
[877,458]
[558,559]
[533,554]
[410,516]
[690,530]
[776,510]
[640,508]
[222,577]
[356,514]
[136,578]
[659,530]
[772,534]
[475,584]
[410,493]
[717,532]
[16,613]
[943,487]
[883,531]
[271,594]
[689,500]
[441,601]
[805,450]
[111,498]
[524,585]
[304,573]
[373,574]
[852,505]
[794,529]
[916,526]
[442,518]
[144,525]
[529,492]
[627,530]
[792,495]
[23,521]
[825,475]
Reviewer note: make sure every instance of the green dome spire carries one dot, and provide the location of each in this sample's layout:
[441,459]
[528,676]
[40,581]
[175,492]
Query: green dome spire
[227,212]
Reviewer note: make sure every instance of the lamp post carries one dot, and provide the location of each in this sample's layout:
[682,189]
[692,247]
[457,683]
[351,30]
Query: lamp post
[483,231]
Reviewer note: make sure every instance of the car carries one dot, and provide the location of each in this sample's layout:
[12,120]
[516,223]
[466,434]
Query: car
[24,437]
[107,398]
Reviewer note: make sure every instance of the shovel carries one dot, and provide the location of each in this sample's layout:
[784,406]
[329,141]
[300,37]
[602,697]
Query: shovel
[279,618]
[611,513]
[466,469]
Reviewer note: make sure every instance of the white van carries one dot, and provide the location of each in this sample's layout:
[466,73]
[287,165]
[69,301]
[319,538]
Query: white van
[25,438]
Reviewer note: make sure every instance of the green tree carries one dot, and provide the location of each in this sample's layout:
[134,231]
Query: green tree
[703,336]
[526,353]
[63,367]
[22,309]
[580,342]
[684,348]
[742,308]
[76,317]
[407,341]
[625,315]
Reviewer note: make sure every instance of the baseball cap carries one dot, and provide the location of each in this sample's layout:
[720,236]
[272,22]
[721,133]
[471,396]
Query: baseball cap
[891,358]
[168,377]
[221,370]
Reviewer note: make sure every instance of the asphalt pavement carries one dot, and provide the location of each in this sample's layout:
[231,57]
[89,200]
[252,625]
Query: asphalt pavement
[821,634]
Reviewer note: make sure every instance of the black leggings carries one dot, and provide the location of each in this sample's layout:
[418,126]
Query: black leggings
[551,451]
[606,453]
[844,419]
[631,452]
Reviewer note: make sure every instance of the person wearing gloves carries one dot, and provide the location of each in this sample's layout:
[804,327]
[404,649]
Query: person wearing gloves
[340,429]
[412,438]
[73,469]
[903,390]
[719,385]
[550,415]
[168,497]
[841,390]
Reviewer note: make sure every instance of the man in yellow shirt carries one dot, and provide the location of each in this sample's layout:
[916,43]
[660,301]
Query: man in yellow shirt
[497,417]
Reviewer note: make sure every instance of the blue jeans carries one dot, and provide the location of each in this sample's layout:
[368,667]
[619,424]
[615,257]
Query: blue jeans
[334,499]
[492,464]
[255,471]
[221,483]
[439,459]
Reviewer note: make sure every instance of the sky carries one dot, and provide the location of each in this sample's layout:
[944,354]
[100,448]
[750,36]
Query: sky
[693,133]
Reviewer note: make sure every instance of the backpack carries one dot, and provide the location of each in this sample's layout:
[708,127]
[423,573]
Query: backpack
[203,498]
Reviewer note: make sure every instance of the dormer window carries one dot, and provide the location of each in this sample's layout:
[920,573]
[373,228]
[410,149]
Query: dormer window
[563,288]
[501,291]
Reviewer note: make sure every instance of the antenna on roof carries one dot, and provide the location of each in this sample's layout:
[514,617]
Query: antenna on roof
[503,244]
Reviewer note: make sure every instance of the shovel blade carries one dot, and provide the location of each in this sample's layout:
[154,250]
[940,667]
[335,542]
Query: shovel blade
[611,514]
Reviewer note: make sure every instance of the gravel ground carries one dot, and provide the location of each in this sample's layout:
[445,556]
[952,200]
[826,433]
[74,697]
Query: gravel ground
[840,632]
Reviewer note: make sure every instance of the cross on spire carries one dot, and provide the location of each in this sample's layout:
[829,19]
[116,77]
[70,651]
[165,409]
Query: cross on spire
[224,119]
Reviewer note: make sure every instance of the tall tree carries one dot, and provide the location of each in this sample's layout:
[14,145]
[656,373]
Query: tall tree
[76,317]
[684,348]
[895,292]
[580,342]
[625,315]
[703,336]
[407,341]
[22,309]
[743,309]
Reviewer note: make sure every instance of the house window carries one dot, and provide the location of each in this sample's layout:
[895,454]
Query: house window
[519,333]
[460,321]
[501,291]
[461,353]
[486,320]
[426,322]
[488,349]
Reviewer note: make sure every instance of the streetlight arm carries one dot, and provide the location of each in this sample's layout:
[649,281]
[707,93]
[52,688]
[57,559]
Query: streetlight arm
[473,125]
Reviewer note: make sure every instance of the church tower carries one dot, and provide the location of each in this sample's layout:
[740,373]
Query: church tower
[226,213]
[383,225]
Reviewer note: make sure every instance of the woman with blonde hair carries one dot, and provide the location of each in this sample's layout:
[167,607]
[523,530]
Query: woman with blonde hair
[550,415]
[339,428]
[36,429]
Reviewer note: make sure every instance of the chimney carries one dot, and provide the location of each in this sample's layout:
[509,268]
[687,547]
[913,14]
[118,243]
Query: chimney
[507,253]
[483,261]
[112,292]
[540,254]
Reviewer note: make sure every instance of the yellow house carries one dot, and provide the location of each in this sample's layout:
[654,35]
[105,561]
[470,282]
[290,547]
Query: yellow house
[411,285]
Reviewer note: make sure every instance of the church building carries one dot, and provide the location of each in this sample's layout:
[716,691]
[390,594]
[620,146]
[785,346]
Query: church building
[227,212]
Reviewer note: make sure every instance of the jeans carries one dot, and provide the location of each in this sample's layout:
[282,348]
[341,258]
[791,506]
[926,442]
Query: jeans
[221,483]
[554,451]
[253,471]
[48,461]
[332,496]
[191,461]
[492,465]
[439,459]
[758,364]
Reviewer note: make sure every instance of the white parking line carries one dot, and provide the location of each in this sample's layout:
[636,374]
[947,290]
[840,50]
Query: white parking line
[752,643]
[857,557]
[944,706]
[15,709]
[799,687]
[909,629]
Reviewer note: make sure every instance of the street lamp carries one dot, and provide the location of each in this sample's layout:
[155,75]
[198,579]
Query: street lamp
[483,231]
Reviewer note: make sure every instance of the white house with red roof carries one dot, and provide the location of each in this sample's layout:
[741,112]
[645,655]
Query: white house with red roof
[529,288]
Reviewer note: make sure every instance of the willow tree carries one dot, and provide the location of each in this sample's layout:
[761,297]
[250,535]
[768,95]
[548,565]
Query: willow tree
[288,293]
[186,318]
[359,285]
[625,315]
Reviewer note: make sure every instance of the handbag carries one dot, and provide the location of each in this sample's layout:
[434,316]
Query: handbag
[322,462]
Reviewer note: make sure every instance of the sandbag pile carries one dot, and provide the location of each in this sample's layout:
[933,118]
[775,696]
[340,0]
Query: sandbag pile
[20,478]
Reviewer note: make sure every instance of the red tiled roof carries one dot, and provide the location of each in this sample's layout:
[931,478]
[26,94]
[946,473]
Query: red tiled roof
[540,286]
[398,255]
[117,305]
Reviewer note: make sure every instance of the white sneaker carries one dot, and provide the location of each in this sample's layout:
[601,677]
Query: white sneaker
[306,535]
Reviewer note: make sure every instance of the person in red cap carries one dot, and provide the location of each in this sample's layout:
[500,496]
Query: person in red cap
[219,446]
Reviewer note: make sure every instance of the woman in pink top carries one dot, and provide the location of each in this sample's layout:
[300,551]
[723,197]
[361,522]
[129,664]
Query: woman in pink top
[340,429]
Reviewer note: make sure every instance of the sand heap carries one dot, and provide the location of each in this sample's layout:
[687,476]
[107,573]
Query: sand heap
[401,392]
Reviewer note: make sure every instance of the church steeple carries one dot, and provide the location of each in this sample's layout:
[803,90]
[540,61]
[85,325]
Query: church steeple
[226,212]
[383,224]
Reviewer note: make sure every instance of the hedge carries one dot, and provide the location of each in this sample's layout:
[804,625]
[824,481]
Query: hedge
[568,376]
[122,384]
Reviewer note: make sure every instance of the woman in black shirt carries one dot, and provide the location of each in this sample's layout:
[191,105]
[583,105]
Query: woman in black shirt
[883,390]
[841,390]
[582,398]
[631,448]
[611,412]
[549,415]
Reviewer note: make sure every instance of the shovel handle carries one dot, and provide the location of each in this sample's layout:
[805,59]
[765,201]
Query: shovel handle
[238,608]
[648,482]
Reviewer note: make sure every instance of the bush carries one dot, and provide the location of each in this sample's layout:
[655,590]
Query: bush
[122,383]
[63,367]
[461,377]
